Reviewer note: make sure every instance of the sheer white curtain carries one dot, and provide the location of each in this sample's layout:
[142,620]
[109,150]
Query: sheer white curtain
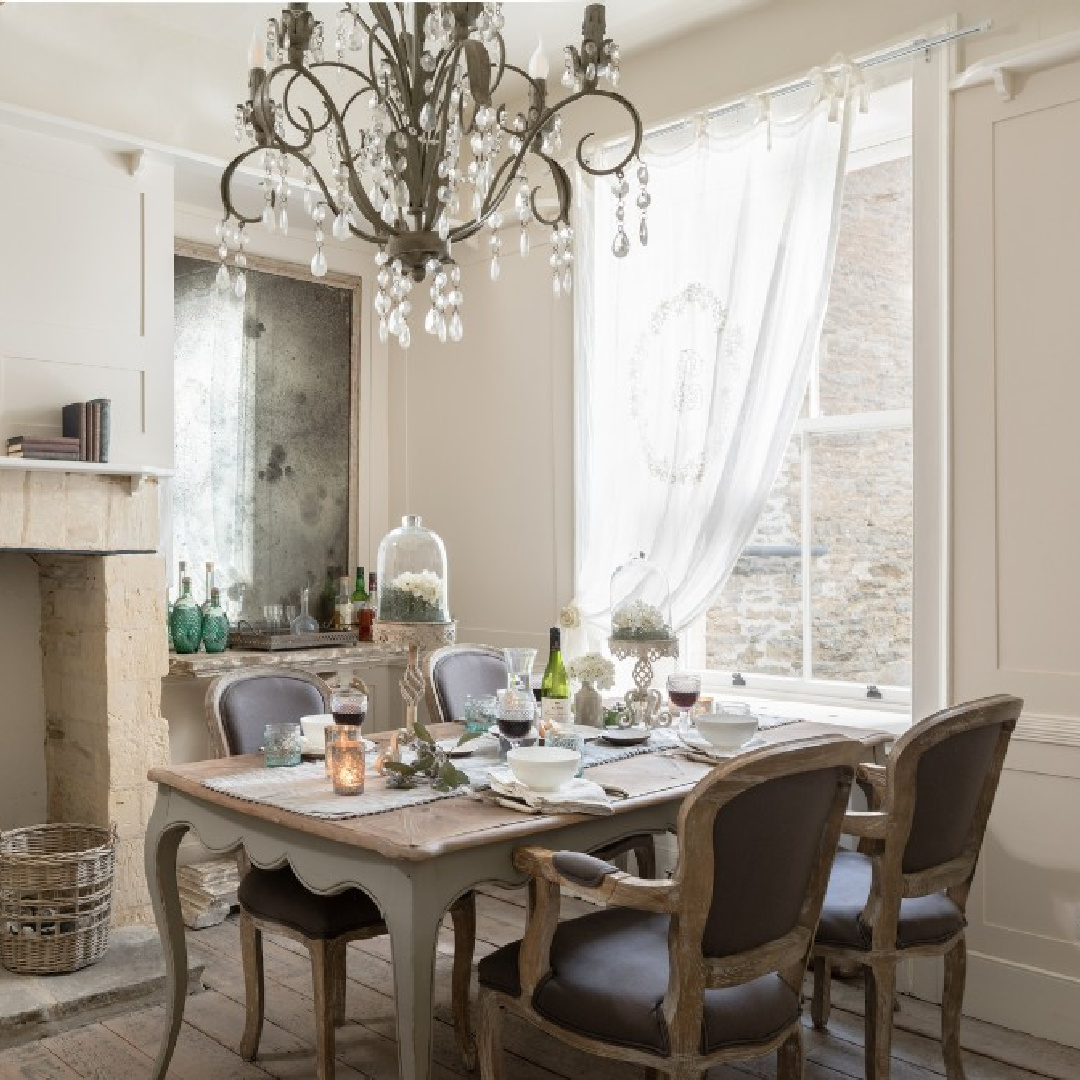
[692,354]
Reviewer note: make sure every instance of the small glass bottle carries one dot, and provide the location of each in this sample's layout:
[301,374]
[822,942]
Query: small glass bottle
[186,620]
[304,623]
[343,613]
[215,625]
[205,605]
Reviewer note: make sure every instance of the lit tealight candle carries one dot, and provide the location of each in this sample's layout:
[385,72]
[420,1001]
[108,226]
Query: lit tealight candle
[345,759]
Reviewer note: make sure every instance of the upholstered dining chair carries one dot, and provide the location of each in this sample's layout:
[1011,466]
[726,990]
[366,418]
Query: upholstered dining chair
[238,707]
[681,975]
[457,671]
[904,892]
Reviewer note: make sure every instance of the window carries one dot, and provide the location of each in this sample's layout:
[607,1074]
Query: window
[820,602]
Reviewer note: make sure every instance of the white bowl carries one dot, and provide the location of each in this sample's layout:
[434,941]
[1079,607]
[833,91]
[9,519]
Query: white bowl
[726,731]
[314,727]
[543,768]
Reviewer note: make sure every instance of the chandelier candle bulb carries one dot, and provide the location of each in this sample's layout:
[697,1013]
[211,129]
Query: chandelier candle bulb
[538,62]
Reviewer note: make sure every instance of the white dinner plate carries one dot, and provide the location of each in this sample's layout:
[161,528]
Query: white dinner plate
[701,745]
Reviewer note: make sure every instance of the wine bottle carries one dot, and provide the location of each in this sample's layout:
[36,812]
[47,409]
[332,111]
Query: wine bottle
[555,687]
[362,608]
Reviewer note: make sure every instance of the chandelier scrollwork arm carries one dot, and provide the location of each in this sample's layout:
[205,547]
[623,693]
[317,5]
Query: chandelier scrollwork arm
[402,172]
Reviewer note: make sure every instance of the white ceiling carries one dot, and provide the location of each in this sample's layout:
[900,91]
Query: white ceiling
[632,23]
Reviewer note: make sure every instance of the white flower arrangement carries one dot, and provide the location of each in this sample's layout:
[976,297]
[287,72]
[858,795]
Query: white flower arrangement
[637,619]
[570,617]
[425,585]
[592,668]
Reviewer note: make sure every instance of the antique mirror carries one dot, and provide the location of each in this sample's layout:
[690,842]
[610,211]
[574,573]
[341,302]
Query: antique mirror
[267,412]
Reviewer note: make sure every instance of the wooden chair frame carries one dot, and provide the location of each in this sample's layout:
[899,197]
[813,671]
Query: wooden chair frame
[328,955]
[883,832]
[687,899]
[643,847]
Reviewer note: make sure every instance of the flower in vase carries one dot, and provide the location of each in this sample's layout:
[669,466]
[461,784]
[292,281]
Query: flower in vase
[570,617]
[413,597]
[592,668]
[637,619]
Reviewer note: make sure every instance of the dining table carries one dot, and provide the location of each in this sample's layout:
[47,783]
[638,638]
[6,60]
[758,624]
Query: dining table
[414,861]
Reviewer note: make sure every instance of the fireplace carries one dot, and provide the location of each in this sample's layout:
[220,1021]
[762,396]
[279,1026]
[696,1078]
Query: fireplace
[95,538]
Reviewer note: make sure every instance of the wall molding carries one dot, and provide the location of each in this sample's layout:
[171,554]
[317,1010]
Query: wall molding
[1047,728]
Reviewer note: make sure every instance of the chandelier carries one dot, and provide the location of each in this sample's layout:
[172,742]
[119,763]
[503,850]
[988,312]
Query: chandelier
[411,152]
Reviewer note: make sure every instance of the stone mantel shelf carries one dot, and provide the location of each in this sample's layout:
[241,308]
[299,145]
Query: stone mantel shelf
[136,473]
[208,665]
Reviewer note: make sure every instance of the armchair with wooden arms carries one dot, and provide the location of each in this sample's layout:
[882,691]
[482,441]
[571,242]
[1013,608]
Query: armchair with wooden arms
[238,707]
[904,892]
[680,975]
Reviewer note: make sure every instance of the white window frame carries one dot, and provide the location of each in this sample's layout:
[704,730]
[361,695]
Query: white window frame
[929,420]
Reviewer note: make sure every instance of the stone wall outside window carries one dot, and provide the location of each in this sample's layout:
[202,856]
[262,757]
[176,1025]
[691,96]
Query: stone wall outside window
[861,483]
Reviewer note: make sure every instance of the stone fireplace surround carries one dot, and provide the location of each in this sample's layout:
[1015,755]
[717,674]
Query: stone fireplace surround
[96,538]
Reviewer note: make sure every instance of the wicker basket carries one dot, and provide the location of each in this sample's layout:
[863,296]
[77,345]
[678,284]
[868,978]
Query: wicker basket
[55,897]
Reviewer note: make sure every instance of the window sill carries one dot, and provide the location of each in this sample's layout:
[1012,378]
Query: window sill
[894,721]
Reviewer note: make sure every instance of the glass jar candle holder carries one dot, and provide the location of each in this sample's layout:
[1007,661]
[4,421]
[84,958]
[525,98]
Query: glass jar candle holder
[282,745]
[345,763]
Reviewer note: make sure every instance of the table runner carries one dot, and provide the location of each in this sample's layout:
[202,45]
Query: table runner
[306,789]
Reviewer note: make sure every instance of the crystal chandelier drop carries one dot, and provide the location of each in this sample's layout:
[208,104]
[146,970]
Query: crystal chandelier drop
[411,152]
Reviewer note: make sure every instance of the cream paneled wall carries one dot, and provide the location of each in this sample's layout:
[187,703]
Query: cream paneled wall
[481,447]
[1016,513]
[85,291]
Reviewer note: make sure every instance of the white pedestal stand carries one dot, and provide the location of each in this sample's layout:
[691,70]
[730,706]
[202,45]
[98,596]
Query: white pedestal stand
[420,638]
[645,651]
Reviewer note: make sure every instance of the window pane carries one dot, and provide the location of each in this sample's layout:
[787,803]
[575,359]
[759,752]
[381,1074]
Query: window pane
[756,625]
[866,352]
[860,589]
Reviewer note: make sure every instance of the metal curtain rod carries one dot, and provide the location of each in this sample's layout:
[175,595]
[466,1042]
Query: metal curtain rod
[883,57]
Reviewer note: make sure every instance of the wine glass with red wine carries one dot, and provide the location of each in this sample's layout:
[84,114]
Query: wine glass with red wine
[684,689]
[516,711]
[349,705]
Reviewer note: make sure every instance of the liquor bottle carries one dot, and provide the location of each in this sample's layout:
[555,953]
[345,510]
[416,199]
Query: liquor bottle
[343,612]
[362,608]
[215,624]
[186,620]
[304,623]
[205,606]
[555,687]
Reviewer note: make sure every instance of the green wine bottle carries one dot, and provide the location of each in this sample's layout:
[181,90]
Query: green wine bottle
[555,687]
[186,620]
[215,624]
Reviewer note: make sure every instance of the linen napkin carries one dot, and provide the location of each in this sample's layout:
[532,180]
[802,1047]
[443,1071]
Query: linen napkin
[577,796]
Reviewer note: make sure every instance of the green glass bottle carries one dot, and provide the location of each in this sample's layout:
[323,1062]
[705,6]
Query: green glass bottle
[186,620]
[215,624]
[555,686]
[168,619]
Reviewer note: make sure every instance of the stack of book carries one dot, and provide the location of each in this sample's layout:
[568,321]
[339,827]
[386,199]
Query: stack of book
[85,435]
[54,447]
[89,422]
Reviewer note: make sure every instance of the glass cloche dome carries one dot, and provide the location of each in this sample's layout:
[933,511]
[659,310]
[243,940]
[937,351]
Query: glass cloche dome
[640,602]
[413,583]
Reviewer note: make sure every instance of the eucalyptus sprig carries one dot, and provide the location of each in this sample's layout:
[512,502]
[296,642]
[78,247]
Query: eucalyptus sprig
[430,763]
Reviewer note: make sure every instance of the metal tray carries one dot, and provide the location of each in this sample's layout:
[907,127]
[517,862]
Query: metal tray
[279,640]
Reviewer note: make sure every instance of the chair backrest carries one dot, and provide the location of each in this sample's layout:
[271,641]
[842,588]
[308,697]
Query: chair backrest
[942,776]
[456,671]
[757,838]
[241,703]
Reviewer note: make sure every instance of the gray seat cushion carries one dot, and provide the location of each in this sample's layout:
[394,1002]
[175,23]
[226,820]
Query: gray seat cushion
[609,974]
[924,920]
[250,704]
[278,895]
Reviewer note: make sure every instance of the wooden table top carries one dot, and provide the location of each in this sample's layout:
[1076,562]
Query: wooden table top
[431,829]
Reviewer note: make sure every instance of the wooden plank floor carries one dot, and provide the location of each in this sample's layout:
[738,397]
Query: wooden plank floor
[123,1048]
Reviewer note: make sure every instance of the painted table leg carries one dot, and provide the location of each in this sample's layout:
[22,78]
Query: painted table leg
[413,921]
[162,840]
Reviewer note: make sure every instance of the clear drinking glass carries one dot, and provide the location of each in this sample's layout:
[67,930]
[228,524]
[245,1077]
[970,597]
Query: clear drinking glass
[282,745]
[684,689]
[519,664]
[516,712]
